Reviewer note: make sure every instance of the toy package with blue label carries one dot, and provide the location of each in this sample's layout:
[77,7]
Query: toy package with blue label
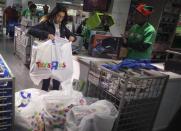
[3,72]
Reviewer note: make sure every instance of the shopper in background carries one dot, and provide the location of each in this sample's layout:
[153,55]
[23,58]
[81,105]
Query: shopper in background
[45,9]
[32,12]
[27,9]
[42,14]
[53,25]
[10,17]
[6,17]
[142,35]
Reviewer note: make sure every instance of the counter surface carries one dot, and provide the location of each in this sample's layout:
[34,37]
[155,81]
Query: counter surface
[86,60]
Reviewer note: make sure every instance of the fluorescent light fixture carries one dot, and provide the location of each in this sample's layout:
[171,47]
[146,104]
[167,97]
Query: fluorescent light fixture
[66,2]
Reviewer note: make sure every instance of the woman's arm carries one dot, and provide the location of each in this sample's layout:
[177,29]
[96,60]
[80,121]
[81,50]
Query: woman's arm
[39,31]
[69,35]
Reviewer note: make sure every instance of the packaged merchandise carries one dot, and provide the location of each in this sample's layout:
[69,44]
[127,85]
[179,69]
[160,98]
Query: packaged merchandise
[4,73]
[1,71]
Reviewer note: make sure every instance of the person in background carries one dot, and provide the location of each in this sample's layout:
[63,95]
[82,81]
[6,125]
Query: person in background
[27,9]
[32,12]
[10,17]
[141,36]
[42,14]
[53,25]
[45,9]
[81,27]
[6,17]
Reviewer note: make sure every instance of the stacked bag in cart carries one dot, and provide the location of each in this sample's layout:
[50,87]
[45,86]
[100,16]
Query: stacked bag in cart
[59,111]
[51,59]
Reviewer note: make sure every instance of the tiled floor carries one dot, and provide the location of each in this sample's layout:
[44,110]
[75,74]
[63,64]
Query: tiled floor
[20,72]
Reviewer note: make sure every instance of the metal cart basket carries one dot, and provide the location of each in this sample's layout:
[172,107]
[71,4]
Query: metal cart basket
[135,93]
[7,100]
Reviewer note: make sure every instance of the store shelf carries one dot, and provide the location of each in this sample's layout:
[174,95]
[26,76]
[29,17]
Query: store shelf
[170,13]
[168,23]
[167,33]
[7,100]
[161,42]
[2,5]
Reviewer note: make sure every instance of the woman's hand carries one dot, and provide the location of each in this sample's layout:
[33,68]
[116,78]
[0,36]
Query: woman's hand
[51,37]
[125,40]
[126,35]
[71,39]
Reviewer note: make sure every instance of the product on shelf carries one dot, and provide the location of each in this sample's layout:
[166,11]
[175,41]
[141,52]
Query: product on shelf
[1,69]
[6,97]
[124,82]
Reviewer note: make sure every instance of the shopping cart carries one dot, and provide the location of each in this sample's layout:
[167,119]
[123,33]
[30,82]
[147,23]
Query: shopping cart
[135,93]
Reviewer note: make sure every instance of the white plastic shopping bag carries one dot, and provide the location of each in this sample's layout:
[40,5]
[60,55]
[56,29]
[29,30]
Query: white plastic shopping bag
[28,107]
[99,116]
[51,60]
[57,105]
[36,109]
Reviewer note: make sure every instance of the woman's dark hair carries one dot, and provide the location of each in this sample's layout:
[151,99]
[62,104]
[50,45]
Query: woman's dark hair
[58,8]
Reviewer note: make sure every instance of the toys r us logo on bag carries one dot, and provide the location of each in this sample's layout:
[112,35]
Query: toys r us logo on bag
[51,61]
[55,65]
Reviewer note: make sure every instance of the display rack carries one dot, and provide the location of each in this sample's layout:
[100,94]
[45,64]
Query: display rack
[166,28]
[173,64]
[7,91]
[136,98]
[22,41]
[2,4]
[168,22]
[164,19]
[176,43]
[22,45]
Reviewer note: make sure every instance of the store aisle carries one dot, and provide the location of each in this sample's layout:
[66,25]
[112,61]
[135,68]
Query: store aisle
[19,70]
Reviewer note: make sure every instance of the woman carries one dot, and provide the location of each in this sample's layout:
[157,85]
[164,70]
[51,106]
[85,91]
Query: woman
[53,25]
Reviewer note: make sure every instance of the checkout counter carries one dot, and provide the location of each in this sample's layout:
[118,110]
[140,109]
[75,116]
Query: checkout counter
[171,98]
